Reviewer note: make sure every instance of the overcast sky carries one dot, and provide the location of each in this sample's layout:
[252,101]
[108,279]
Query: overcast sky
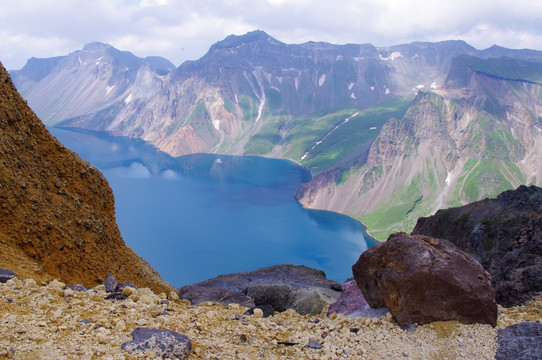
[183,30]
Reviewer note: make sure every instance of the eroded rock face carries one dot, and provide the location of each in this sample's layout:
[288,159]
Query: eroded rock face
[422,279]
[504,234]
[57,212]
[283,287]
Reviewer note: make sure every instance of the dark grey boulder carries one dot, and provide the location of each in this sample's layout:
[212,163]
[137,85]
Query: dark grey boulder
[521,341]
[162,343]
[301,288]
[110,283]
[198,294]
[5,275]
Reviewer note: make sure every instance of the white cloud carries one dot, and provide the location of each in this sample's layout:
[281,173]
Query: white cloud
[181,30]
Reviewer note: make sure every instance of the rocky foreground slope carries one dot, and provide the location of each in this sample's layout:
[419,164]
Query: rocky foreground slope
[57,212]
[51,321]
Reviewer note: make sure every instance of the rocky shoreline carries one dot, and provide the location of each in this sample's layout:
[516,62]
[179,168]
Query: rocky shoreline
[44,321]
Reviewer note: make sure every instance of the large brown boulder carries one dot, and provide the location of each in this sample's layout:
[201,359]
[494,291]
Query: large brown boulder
[422,279]
[504,235]
[57,212]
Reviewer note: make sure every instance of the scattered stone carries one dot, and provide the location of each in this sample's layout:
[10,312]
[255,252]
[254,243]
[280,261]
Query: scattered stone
[521,341]
[128,290]
[110,283]
[172,296]
[156,310]
[6,275]
[115,296]
[422,279]
[314,344]
[161,343]
[78,287]
[121,286]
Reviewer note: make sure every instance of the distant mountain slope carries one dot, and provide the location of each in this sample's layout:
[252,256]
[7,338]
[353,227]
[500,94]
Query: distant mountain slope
[477,136]
[57,214]
[391,133]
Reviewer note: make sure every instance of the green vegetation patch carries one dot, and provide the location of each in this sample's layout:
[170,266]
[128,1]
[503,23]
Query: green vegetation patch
[348,142]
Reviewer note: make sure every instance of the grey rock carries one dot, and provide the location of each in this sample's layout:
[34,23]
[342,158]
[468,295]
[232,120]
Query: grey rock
[521,341]
[162,343]
[78,287]
[303,289]
[5,275]
[110,283]
[314,344]
[198,294]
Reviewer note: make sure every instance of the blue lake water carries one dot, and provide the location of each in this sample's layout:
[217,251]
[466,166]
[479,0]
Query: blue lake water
[198,216]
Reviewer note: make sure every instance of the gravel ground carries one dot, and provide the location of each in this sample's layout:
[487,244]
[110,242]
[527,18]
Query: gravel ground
[50,322]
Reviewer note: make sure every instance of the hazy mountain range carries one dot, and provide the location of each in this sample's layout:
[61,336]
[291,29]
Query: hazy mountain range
[390,134]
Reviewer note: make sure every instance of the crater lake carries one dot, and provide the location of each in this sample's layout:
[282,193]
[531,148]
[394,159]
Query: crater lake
[197,216]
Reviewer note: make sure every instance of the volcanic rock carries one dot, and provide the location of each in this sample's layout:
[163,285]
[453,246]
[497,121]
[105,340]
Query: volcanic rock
[198,294]
[352,303]
[504,234]
[162,343]
[283,287]
[57,212]
[521,341]
[5,275]
[422,280]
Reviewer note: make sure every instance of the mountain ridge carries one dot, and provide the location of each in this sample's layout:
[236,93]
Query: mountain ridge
[335,109]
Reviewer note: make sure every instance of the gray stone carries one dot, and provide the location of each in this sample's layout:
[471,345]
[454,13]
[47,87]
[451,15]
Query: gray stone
[303,289]
[314,344]
[110,283]
[162,343]
[198,294]
[521,341]
[5,275]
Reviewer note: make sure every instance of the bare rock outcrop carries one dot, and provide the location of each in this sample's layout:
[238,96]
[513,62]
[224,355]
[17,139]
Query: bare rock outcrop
[504,234]
[422,280]
[57,212]
[300,288]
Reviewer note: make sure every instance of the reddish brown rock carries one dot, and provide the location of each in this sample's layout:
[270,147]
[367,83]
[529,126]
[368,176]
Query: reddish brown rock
[57,212]
[422,279]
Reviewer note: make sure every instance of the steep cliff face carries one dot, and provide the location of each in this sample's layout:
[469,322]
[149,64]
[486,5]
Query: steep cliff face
[57,215]
[479,135]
